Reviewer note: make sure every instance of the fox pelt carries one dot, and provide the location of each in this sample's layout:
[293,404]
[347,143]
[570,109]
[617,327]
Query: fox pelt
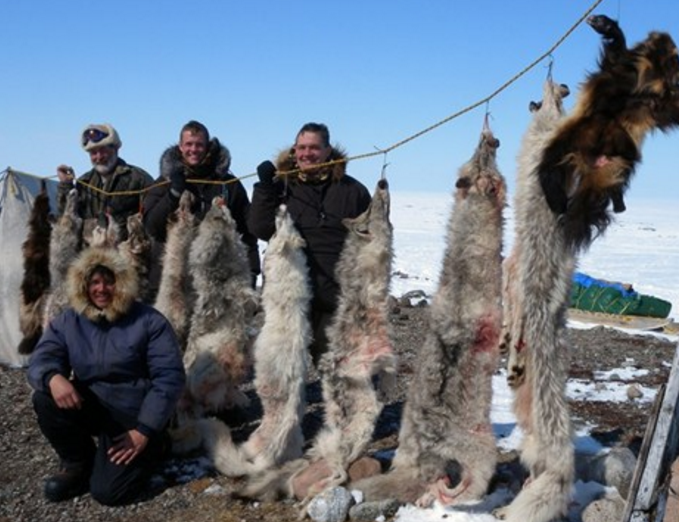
[538,277]
[589,161]
[445,430]
[175,294]
[217,356]
[280,354]
[36,281]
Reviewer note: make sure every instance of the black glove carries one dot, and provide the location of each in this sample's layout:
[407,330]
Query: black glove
[266,171]
[177,182]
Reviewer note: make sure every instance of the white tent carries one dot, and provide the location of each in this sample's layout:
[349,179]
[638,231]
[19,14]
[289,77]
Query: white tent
[17,192]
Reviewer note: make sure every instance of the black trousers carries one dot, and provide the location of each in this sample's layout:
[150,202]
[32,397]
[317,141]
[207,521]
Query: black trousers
[71,433]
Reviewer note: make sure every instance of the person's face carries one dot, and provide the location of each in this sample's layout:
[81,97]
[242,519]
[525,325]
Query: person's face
[193,146]
[103,158]
[100,290]
[310,151]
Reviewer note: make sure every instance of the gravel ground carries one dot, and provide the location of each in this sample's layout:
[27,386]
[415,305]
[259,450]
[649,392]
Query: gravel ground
[26,459]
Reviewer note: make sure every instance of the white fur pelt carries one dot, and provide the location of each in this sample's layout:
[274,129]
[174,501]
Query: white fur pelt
[36,280]
[175,293]
[217,353]
[137,249]
[65,243]
[446,417]
[280,354]
[359,348]
[538,293]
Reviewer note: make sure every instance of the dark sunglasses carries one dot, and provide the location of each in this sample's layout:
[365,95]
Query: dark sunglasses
[94,136]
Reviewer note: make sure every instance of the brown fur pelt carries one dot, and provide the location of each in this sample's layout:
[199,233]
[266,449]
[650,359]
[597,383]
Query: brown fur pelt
[591,158]
[445,430]
[36,281]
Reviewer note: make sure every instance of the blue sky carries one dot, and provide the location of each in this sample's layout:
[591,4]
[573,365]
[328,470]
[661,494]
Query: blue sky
[375,71]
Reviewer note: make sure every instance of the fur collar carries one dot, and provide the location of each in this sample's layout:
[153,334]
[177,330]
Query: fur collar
[126,283]
[215,164]
[286,162]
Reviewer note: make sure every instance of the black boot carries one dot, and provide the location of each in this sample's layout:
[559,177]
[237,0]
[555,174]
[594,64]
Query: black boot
[68,482]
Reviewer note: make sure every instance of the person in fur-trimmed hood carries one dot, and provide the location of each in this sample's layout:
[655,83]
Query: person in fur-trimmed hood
[318,199]
[108,366]
[196,156]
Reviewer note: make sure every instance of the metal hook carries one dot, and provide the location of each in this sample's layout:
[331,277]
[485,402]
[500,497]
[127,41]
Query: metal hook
[384,152]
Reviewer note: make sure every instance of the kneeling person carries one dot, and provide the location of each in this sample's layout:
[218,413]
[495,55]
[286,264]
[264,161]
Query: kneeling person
[109,367]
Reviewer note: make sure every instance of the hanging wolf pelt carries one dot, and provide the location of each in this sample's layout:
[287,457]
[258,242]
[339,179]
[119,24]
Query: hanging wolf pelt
[65,242]
[445,429]
[589,161]
[280,354]
[175,294]
[138,249]
[543,265]
[217,354]
[359,344]
[36,281]
[547,114]
[359,348]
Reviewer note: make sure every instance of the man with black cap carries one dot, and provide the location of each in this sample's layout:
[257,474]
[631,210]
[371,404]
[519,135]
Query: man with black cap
[110,174]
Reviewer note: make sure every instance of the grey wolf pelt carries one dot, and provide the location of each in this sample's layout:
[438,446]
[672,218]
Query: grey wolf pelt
[64,247]
[590,160]
[217,357]
[358,339]
[36,281]
[175,293]
[137,249]
[445,429]
[543,273]
[547,115]
[359,349]
[280,354]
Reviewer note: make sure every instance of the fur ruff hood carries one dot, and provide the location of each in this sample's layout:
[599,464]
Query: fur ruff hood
[126,284]
[286,162]
[217,160]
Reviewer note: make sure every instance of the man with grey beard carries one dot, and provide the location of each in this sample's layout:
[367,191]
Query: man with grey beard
[109,174]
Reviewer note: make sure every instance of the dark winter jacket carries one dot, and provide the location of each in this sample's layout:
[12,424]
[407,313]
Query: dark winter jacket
[126,354]
[317,208]
[93,204]
[160,203]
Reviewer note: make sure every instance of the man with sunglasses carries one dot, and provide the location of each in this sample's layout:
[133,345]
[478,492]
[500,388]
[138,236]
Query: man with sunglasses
[109,174]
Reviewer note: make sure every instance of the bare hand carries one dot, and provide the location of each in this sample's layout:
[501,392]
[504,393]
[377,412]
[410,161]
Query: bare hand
[64,393]
[127,446]
[65,174]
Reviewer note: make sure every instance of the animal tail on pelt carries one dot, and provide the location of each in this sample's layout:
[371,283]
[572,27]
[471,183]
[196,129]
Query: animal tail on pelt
[401,483]
[543,500]
[273,484]
[548,450]
[215,438]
